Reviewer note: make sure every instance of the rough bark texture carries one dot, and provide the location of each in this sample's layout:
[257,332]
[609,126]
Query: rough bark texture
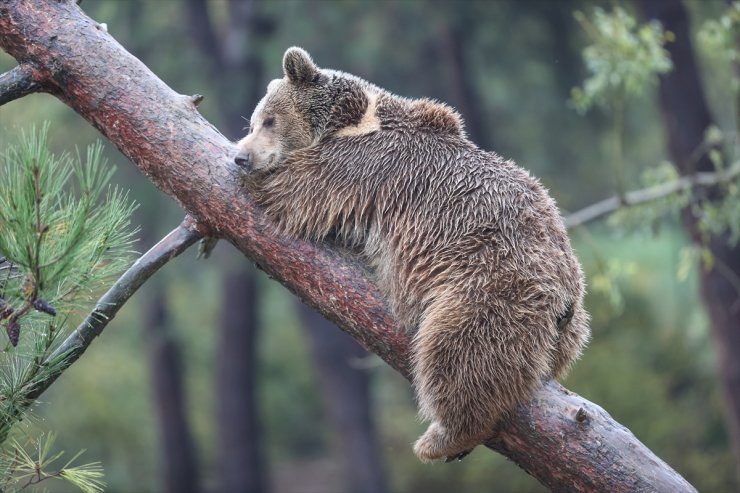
[577,428]
[686,117]
[165,137]
[17,83]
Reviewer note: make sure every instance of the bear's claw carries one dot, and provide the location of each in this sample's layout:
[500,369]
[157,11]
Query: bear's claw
[457,457]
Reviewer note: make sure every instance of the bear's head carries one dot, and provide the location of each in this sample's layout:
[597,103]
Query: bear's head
[300,109]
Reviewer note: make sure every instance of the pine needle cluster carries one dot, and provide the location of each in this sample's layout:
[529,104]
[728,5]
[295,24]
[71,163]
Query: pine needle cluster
[64,233]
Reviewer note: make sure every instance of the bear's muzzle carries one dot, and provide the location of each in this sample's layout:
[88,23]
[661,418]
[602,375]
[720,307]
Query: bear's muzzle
[243,160]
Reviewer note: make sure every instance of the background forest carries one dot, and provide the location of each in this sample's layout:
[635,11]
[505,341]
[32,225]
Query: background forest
[214,378]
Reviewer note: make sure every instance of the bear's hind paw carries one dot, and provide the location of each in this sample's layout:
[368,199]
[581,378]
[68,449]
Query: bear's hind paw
[435,443]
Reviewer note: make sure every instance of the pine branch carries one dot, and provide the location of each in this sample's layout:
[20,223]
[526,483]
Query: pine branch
[651,194]
[17,82]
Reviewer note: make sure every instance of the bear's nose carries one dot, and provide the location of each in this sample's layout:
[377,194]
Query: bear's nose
[242,159]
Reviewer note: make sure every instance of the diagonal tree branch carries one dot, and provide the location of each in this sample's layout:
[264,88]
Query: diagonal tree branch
[560,438]
[18,82]
[688,182]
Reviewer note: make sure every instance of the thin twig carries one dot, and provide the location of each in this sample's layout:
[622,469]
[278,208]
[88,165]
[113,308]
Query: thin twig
[17,82]
[650,194]
[169,247]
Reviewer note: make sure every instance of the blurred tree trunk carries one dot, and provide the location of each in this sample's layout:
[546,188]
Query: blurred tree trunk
[239,461]
[240,465]
[179,468]
[558,17]
[453,45]
[233,66]
[346,394]
[686,116]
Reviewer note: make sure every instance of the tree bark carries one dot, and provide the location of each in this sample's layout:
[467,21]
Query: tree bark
[17,83]
[686,117]
[560,438]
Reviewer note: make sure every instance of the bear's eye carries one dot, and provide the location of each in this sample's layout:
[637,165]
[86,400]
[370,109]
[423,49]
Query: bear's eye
[269,122]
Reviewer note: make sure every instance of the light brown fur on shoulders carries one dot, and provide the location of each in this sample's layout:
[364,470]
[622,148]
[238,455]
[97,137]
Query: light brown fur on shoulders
[368,123]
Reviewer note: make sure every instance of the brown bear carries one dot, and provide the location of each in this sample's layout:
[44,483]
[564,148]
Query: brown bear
[469,249]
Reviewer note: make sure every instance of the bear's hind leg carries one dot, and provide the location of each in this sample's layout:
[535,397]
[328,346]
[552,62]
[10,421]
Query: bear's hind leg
[471,366]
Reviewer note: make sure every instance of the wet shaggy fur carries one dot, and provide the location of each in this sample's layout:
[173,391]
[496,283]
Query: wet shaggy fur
[469,248]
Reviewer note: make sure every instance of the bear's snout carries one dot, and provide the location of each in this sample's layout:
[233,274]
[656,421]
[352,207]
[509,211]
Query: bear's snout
[243,159]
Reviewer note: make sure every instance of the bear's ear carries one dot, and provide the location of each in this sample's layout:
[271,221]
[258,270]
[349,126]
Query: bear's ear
[298,66]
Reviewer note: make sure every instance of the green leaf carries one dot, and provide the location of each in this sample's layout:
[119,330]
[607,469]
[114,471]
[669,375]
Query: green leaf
[623,57]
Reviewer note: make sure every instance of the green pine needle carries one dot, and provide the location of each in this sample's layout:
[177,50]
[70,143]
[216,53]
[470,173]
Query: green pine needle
[66,231]
[24,466]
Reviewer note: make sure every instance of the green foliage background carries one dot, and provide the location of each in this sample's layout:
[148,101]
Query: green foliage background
[650,362]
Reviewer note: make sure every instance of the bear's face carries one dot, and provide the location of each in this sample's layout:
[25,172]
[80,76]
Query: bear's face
[291,116]
[275,129]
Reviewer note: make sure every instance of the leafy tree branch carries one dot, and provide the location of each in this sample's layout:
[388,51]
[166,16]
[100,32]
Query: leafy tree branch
[24,469]
[64,234]
[685,183]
